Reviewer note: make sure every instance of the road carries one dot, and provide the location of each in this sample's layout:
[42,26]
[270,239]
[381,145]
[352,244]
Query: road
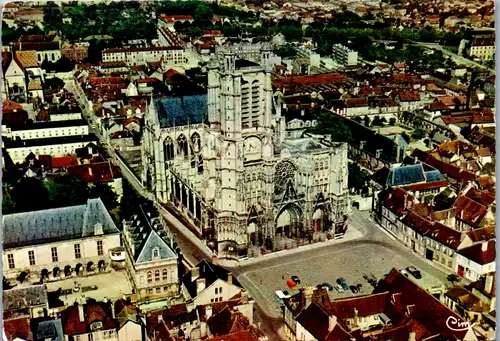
[456,57]
[191,247]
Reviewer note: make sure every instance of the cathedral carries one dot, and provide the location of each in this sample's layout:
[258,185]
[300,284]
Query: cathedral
[225,161]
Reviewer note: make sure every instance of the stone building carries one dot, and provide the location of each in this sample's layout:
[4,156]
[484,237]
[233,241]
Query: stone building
[224,160]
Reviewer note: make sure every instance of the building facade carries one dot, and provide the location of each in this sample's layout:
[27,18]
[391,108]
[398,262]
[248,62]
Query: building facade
[171,55]
[225,162]
[344,55]
[58,243]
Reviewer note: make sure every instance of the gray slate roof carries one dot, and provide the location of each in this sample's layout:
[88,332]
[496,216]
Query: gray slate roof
[183,110]
[57,224]
[31,296]
[51,329]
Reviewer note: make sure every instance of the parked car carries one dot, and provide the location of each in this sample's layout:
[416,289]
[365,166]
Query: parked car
[414,271]
[343,283]
[339,288]
[360,287]
[280,295]
[296,279]
[404,272]
[354,289]
[286,293]
[328,285]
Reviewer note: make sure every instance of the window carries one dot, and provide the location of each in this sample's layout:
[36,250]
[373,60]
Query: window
[100,250]
[220,290]
[165,274]
[157,275]
[156,253]
[54,254]
[78,253]
[31,255]
[150,277]
[158,290]
[10,258]
[216,291]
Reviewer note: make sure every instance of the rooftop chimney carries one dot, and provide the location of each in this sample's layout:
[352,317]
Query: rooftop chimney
[488,284]
[81,313]
[200,285]
[412,336]
[332,322]
[208,311]
[90,171]
[195,273]
[484,246]
[356,318]
[214,260]
[308,294]
[230,278]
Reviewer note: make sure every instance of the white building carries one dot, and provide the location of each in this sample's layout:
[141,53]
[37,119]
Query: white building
[55,146]
[151,260]
[225,162]
[40,130]
[477,260]
[344,55]
[58,243]
[169,55]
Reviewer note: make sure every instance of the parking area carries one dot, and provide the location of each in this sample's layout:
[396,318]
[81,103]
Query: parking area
[350,264]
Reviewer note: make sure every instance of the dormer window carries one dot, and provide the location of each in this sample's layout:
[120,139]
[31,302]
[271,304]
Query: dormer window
[156,253]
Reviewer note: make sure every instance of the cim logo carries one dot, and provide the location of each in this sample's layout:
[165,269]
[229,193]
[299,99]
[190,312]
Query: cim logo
[456,325]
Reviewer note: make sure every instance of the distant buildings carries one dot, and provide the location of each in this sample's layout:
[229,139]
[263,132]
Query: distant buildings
[172,55]
[344,55]
[482,45]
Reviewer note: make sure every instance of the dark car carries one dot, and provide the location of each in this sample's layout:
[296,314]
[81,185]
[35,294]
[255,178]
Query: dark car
[296,279]
[286,293]
[414,271]
[343,283]
[360,287]
[354,289]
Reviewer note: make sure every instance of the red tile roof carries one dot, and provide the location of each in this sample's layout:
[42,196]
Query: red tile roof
[365,305]
[9,106]
[239,336]
[65,161]
[148,80]
[451,101]
[142,49]
[469,211]
[398,201]
[426,310]
[476,254]
[409,96]
[437,106]
[425,186]
[174,18]
[445,168]
[18,328]
[95,172]
[327,78]
[482,233]
[482,197]
[356,102]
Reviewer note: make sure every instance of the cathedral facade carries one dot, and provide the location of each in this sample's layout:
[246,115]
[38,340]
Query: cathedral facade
[224,160]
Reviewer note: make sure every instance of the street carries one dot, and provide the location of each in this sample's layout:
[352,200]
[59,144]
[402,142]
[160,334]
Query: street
[368,250]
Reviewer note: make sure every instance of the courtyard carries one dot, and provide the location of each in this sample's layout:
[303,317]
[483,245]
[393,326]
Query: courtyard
[348,262]
[111,285]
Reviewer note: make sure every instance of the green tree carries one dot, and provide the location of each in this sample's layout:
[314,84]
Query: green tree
[203,12]
[357,178]
[377,122]
[418,134]
[54,83]
[392,121]
[8,205]
[334,125]
[30,194]
[106,193]
[67,190]
[453,278]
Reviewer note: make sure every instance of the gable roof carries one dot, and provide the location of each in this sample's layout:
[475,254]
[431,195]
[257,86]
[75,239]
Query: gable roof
[476,254]
[18,298]
[18,329]
[26,59]
[154,241]
[93,312]
[426,309]
[183,110]
[210,272]
[57,224]
[47,329]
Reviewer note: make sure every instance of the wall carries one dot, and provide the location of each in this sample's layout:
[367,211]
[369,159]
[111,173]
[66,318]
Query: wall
[131,331]
[51,132]
[228,291]
[65,253]
[303,335]
[365,203]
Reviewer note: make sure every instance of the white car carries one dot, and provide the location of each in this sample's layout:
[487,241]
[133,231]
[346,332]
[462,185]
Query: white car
[404,272]
[339,288]
[280,296]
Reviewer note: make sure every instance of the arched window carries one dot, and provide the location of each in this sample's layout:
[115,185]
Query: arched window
[196,142]
[182,146]
[150,277]
[157,275]
[165,274]
[200,164]
[169,149]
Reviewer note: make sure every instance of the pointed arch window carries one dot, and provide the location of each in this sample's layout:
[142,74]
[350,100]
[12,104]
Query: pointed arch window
[169,149]
[182,145]
[196,142]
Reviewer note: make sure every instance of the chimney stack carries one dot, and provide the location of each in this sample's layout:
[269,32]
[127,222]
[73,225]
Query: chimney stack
[332,322]
[195,273]
[200,285]
[208,311]
[356,322]
[413,336]
[308,294]
[484,246]
[230,278]
[90,171]
[488,284]
[81,313]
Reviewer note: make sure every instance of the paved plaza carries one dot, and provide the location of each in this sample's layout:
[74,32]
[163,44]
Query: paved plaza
[111,285]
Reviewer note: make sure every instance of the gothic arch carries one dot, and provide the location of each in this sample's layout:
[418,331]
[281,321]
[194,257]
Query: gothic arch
[184,196]
[196,142]
[288,222]
[169,150]
[182,146]
[284,172]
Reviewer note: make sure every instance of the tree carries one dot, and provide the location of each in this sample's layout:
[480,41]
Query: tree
[30,194]
[406,137]
[106,193]
[334,125]
[357,177]
[418,134]
[366,121]
[67,190]
[203,12]
[392,121]
[54,83]
[377,122]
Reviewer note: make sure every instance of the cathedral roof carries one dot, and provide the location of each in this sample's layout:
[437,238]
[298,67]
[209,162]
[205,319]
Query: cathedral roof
[182,110]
